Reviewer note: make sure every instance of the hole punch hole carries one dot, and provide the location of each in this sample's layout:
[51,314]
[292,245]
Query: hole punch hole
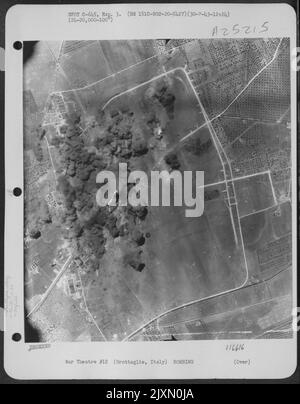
[17,192]
[18,45]
[16,337]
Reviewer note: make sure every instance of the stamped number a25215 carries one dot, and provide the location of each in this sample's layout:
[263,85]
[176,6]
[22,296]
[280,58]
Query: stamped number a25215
[238,29]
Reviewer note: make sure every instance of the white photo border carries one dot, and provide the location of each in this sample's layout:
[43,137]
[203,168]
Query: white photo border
[268,359]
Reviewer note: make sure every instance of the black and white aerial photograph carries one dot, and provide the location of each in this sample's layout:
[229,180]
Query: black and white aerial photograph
[149,271]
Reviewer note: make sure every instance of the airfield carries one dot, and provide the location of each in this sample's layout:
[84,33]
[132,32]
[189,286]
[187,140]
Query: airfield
[218,106]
